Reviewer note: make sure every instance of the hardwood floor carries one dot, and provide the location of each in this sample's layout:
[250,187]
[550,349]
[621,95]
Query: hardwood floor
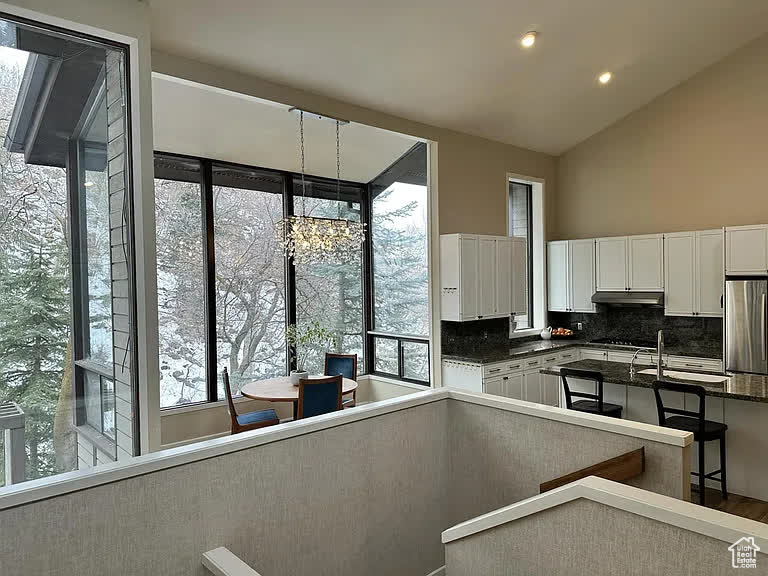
[736,505]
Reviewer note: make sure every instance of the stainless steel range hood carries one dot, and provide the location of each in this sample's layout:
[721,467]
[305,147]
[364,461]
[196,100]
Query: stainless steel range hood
[650,299]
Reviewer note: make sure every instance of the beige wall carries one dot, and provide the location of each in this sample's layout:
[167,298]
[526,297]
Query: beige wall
[694,158]
[472,170]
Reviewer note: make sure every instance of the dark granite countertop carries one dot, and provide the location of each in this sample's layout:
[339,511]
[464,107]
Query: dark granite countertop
[495,354]
[750,387]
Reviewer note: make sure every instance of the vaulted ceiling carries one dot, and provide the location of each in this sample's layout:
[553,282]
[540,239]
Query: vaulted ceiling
[459,65]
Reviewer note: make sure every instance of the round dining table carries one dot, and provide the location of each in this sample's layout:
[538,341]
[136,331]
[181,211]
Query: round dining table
[282,390]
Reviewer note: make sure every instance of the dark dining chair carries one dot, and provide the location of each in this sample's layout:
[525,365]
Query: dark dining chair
[319,396]
[250,420]
[346,365]
[593,403]
[694,421]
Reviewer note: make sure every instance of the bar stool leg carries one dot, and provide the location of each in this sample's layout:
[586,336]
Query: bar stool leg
[723,486]
[702,468]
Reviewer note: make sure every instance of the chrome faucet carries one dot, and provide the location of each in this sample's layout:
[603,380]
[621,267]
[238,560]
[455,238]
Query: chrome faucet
[632,370]
[660,352]
[659,357]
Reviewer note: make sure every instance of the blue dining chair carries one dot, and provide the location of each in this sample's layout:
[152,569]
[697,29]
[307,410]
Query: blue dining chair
[250,420]
[319,396]
[346,365]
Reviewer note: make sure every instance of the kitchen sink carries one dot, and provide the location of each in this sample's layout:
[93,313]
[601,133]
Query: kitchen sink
[708,378]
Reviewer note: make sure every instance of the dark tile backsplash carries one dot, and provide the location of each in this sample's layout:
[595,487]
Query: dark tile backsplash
[701,335]
[460,337]
[642,324]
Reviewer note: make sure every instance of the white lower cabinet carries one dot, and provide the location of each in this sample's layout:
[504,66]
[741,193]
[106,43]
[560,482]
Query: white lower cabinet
[515,386]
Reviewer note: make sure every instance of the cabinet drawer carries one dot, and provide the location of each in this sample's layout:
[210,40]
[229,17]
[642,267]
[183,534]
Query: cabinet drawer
[550,359]
[515,366]
[590,354]
[570,356]
[494,370]
[531,363]
[708,364]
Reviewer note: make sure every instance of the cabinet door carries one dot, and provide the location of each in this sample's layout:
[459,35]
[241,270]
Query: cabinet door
[557,275]
[581,275]
[550,390]
[494,386]
[487,278]
[646,257]
[611,263]
[469,284]
[532,386]
[746,250]
[679,277]
[709,273]
[519,276]
[503,276]
[450,305]
[515,386]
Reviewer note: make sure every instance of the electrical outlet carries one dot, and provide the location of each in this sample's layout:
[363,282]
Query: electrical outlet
[579,326]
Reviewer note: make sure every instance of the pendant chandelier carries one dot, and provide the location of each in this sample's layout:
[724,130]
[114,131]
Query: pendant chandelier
[313,240]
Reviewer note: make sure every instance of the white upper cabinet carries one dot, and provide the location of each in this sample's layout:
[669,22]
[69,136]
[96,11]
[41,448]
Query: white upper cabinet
[487,277]
[557,273]
[646,262]
[746,250]
[709,273]
[679,282]
[611,263]
[468,285]
[630,263]
[581,275]
[482,276]
[693,276]
[571,275]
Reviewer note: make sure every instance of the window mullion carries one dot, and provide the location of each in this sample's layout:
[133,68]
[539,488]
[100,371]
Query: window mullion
[290,270]
[206,189]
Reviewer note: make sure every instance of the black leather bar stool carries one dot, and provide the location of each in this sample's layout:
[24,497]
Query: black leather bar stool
[594,403]
[694,421]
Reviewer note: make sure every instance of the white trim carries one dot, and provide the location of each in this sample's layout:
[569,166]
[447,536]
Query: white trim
[439,572]
[433,266]
[525,333]
[393,381]
[605,423]
[57,485]
[222,562]
[685,515]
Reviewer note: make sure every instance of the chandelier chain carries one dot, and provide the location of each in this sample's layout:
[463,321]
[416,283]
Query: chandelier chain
[303,184]
[338,163]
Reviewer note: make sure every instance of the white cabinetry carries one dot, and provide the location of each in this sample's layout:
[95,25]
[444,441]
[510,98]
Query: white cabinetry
[693,283]
[481,276]
[746,249]
[630,263]
[571,275]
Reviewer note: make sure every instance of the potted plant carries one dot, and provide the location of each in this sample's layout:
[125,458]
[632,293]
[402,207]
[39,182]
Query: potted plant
[302,341]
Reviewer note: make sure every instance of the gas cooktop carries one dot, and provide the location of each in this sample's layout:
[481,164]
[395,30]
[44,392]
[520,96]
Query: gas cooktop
[628,343]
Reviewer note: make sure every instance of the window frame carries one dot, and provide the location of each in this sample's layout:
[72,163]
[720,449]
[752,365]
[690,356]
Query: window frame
[289,206]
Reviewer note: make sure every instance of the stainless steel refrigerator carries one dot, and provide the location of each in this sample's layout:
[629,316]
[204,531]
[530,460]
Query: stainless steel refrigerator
[746,345]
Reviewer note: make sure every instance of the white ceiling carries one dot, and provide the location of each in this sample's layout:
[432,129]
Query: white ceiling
[458,64]
[201,121]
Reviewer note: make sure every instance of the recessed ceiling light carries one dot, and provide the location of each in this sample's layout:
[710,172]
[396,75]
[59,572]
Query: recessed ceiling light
[605,77]
[88,184]
[528,40]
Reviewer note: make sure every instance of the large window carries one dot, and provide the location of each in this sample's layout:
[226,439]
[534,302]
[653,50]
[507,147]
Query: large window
[521,225]
[250,275]
[66,295]
[225,290]
[399,257]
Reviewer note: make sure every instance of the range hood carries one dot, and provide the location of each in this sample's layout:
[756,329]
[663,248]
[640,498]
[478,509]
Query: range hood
[651,299]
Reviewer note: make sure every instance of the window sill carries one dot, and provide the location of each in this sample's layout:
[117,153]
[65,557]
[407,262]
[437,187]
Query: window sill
[396,381]
[525,333]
